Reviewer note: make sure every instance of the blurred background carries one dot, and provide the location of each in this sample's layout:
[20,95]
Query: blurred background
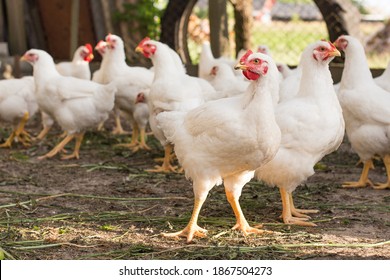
[286,27]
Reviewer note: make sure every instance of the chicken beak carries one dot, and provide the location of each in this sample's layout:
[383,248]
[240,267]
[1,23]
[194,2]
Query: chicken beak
[240,67]
[335,52]
[90,56]
[139,49]
[23,58]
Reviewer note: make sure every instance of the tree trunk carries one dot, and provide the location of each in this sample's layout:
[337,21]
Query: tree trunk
[172,15]
[243,26]
[341,17]
[219,33]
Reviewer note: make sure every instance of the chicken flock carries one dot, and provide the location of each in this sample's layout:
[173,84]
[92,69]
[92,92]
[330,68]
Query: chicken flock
[244,119]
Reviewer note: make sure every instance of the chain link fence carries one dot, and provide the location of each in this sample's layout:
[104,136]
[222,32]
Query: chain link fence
[286,27]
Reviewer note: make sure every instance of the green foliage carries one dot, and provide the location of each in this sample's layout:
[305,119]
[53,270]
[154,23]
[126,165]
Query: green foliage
[201,13]
[143,16]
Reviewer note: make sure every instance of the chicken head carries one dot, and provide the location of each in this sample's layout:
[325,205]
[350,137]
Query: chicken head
[101,47]
[325,51]
[252,67]
[146,47]
[87,53]
[341,43]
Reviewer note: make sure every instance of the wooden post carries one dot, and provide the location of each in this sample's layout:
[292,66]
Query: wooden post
[219,33]
[74,26]
[2,18]
[16,30]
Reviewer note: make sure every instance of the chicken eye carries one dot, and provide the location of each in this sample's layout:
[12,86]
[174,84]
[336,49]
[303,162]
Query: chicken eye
[256,61]
[322,49]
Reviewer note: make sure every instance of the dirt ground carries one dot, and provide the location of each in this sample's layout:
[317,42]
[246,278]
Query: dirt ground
[105,206]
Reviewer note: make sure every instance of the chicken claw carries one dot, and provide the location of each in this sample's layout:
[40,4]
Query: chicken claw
[363,181]
[189,232]
[386,161]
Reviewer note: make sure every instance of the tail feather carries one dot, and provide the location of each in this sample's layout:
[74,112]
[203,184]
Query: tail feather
[171,123]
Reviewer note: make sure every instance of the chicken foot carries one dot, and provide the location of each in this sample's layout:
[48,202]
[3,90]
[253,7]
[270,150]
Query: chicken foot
[118,130]
[166,165]
[300,213]
[43,133]
[79,138]
[192,229]
[363,180]
[134,138]
[287,214]
[386,161]
[58,148]
[242,223]
[20,133]
[142,144]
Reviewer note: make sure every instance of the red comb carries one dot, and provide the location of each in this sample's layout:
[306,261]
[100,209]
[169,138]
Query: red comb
[245,56]
[99,43]
[89,47]
[108,37]
[143,41]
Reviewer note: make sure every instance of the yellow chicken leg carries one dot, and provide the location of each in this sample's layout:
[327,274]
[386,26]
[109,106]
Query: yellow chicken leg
[134,138]
[8,142]
[19,133]
[79,138]
[363,180]
[118,130]
[166,166]
[242,223]
[142,144]
[300,213]
[44,132]
[386,161]
[287,213]
[192,229]
[58,148]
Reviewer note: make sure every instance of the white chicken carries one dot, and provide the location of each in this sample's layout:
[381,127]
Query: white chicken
[206,145]
[207,61]
[79,66]
[141,118]
[17,105]
[129,81]
[225,82]
[384,79]
[75,104]
[101,48]
[312,126]
[366,111]
[172,90]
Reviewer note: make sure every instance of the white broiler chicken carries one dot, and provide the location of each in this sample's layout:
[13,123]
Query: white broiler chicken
[207,61]
[129,81]
[312,126]
[225,82]
[172,90]
[366,110]
[75,104]
[226,140]
[17,105]
[141,118]
[79,66]
[384,79]
[101,48]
